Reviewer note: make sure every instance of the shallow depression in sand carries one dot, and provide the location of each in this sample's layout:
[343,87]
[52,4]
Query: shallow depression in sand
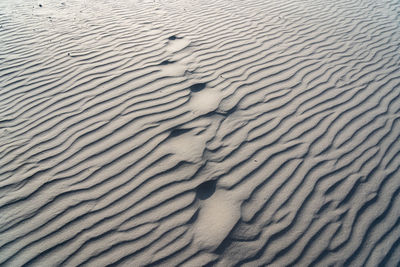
[218,214]
[205,101]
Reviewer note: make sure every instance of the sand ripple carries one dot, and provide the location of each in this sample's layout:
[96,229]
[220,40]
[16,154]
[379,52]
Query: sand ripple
[228,133]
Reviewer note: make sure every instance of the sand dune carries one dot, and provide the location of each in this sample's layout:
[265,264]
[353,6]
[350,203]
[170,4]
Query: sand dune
[192,133]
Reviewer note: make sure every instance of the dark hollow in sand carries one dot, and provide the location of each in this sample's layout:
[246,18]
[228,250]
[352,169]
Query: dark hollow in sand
[206,189]
[197,87]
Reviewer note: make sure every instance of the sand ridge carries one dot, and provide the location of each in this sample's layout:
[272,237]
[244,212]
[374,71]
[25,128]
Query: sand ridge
[192,133]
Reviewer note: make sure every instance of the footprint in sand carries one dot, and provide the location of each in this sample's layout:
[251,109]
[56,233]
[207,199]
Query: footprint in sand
[169,68]
[218,215]
[180,59]
[185,144]
[204,100]
[176,43]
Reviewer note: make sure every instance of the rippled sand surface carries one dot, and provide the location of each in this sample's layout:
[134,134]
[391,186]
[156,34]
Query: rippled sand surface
[200,132]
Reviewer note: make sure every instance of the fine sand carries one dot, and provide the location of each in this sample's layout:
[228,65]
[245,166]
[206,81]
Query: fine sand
[199,132]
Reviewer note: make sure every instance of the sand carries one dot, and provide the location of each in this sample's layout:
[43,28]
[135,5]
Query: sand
[199,133]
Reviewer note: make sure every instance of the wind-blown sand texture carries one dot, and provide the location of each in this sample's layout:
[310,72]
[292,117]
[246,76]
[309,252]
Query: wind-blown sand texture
[199,132]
